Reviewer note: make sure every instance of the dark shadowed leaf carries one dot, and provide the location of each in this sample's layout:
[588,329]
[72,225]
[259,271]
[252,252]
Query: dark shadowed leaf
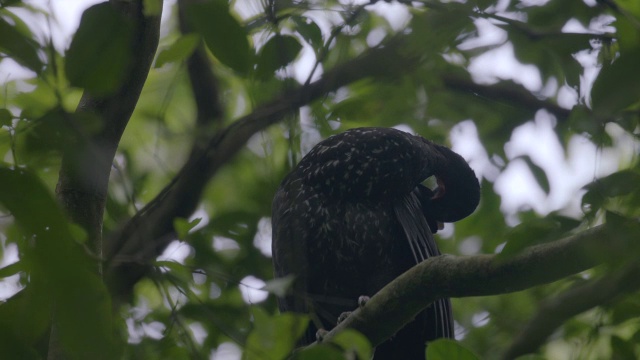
[59,268]
[321,352]
[537,231]
[445,349]
[618,85]
[278,52]
[617,184]
[19,47]
[309,31]
[5,117]
[101,50]
[353,343]
[538,173]
[222,33]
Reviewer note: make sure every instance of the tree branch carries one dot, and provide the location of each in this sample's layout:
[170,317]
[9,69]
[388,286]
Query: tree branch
[86,165]
[456,276]
[506,92]
[554,312]
[146,235]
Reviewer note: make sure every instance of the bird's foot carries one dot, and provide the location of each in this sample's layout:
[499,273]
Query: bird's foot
[320,334]
[363,300]
[344,316]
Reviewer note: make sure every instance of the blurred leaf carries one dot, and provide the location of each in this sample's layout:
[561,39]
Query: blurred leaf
[309,31]
[22,49]
[24,318]
[5,117]
[222,33]
[59,268]
[538,173]
[101,50]
[617,184]
[353,343]
[179,50]
[183,226]
[279,286]
[278,52]
[621,76]
[445,349]
[320,352]
[152,7]
[11,269]
[622,349]
[537,231]
[274,335]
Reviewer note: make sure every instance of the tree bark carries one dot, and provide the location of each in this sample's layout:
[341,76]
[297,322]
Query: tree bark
[86,165]
[482,275]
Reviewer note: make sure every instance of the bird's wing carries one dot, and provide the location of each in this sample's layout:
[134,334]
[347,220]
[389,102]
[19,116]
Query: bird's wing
[423,246]
[288,248]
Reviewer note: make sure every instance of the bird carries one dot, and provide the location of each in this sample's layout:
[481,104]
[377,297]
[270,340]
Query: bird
[356,213]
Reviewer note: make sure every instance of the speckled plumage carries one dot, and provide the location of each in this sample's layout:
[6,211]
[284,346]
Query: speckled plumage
[353,215]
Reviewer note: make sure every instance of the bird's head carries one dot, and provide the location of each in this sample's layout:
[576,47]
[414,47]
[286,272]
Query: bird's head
[458,192]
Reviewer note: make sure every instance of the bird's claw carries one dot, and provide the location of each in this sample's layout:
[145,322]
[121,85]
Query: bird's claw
[343,316]
[363,300]
[320,334]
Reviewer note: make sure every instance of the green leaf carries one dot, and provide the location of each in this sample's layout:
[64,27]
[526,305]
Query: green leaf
[183,226]
[5,117]
[59,269]
[617,184]
[19,47]
[446,349]
[274,335]
[622,349]
[278,52]
[152,7]
[622,77]
[179,50]
[538,173]
[353,342]
[223,34]
[11,269]
[309,31]
[537,231]
[101,50]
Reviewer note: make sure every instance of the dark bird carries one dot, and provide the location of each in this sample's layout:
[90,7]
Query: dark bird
[354,215]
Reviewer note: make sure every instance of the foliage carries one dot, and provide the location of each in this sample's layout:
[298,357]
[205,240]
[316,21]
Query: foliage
[442,75]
